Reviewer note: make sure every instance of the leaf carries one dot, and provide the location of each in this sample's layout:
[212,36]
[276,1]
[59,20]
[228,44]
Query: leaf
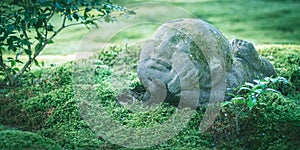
[259,86]
[226,103]
[11,41]
[39,36]
[243,88]
[269,89]
[75,16]
[59,7]
[256,81]
[274,80]
[282,79]
[74,7]
[12,63]
[238,100]
[258,91]
[50,42]
[102,12]
[37,73]
[38,46]
[267,78]
[264,82]
[50,27]
[252,101]
[68,12]
[47,10]
[249,84]
[16,69]
[18,54]
[87,9]
[231,94]
[19,61]
[36,63]
[85,16]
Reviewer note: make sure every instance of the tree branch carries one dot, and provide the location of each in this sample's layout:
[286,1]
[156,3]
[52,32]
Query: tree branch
[64,21]
[74,24]
[26,37]
[46,31]
[29,62]
[3,66]
[37,53]
[80,23]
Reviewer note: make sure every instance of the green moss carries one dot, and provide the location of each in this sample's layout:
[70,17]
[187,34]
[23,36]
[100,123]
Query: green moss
[49,108]
[286,60]
[14,139]
[72,134]
[275,120]
[12,114]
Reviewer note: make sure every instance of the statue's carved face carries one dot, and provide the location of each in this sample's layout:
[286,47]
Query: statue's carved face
[157,70]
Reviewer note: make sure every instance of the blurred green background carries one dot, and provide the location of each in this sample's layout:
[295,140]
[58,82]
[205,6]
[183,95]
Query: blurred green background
[262,22]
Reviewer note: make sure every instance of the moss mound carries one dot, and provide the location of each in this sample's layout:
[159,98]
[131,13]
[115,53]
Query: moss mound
[49,109]
[14,139]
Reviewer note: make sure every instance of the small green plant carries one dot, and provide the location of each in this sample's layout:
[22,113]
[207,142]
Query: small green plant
[251,91]
[247,96]
[258,113]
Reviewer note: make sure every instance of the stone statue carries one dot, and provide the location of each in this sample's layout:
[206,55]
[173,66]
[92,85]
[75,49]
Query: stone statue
[189,63]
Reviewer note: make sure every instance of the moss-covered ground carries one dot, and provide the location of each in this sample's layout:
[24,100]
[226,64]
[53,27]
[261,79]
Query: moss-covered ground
[47,107]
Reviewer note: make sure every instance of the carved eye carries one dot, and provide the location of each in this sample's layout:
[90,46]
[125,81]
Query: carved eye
[161,65]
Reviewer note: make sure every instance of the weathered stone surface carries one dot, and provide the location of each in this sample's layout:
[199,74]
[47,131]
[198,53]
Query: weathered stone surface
[196,64]
[248,64]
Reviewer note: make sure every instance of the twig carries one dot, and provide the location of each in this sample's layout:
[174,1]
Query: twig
[64,21]
[26,37]
[3,66]
[31,59]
